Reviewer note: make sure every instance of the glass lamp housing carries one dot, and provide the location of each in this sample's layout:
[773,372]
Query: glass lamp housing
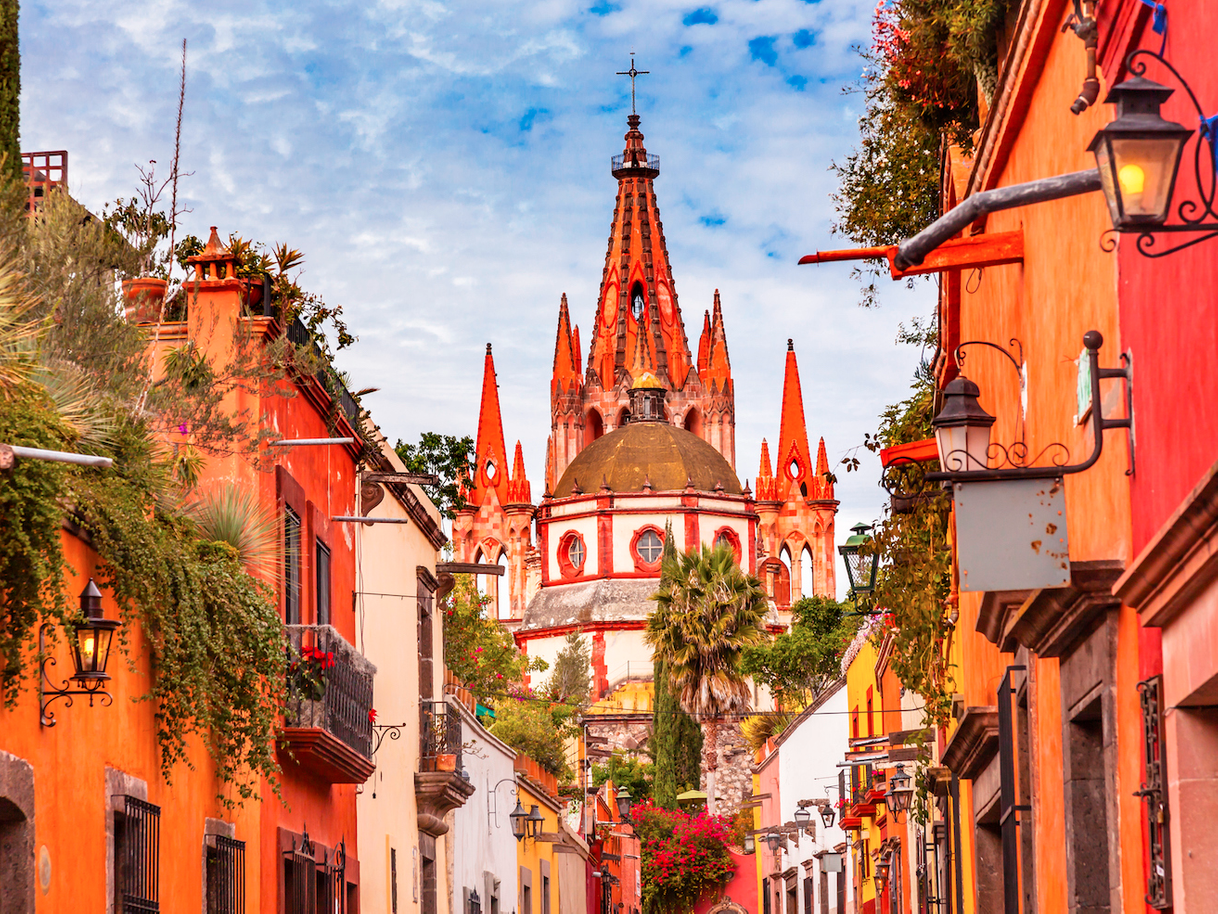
[827,815]
[860,566]
[1138,155]
[91,650]
[962,428]
[624,801]
[535,820]
[518,816]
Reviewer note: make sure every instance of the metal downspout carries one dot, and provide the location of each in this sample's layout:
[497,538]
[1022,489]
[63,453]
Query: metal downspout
[913,251]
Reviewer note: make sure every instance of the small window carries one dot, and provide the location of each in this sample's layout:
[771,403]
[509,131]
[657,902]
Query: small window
[575,552]
[393,880]
[545,894]
[322,581]
[637,304]
[137,856]
[225,875]
[291,567]
[649,547]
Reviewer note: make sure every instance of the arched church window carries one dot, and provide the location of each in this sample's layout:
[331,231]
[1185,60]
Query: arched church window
[637,302]
[649,547]
[503,606]
[726,538]
[491,469]
[593,426]
[805,571]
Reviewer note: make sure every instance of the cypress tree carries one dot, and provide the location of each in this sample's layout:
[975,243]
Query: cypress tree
[10,90]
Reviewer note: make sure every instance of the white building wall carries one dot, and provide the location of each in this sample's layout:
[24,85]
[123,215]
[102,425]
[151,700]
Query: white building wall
[480,839]
[807,760]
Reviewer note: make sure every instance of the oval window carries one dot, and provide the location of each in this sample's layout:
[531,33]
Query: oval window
[490,470]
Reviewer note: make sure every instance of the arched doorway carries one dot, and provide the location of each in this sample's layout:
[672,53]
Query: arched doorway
[693,422]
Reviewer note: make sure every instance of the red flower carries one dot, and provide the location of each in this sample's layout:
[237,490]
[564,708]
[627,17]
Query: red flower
[372,715]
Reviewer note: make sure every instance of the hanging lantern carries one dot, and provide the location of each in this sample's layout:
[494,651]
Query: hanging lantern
[962,428]
[1138,155]
[91,651]
[518,817]
[860,566]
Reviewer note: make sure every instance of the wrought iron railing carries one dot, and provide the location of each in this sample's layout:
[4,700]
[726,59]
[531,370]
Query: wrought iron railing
[343,708]
[440,733]
[300,335]
[642,160]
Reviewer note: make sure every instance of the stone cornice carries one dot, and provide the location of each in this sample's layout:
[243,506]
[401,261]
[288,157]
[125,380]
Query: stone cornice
[1052,621]
[995,612]
[1181,559]
[973,743]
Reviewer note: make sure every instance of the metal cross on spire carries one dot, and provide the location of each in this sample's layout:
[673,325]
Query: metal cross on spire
[632,73]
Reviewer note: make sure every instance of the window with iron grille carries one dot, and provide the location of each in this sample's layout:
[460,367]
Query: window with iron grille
[393,880]
[137,845]
[291,567]
[314,879]
[1154,793]
[225,875]
[322,580]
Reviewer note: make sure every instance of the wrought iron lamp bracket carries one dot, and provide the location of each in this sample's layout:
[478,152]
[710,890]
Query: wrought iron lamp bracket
[48,692]
[1017,465]
[393,731]
[1016,344]
[1196,216]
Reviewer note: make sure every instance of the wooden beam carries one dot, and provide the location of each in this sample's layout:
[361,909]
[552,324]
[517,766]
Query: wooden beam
[468,568]
[421,479]
[985,250]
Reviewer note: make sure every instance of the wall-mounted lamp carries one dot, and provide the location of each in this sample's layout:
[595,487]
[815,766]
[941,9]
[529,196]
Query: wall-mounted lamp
[900,790]
[536,821]
[90,655]
[775,840]
[1139,154]
[860,566]
[624,802]
[827,814]
[802,816]
[518,817]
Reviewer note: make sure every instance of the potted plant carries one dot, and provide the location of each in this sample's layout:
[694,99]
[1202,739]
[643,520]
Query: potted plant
[307,672]
[144,226]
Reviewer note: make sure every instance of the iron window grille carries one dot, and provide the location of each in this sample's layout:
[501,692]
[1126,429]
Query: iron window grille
[225,875]
[322,576]
[475,903]
[291,567]
[1009,806]
[312,885]
[1153,792]
[137,852]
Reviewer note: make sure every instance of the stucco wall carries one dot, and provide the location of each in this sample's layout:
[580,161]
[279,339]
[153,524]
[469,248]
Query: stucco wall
[483,847]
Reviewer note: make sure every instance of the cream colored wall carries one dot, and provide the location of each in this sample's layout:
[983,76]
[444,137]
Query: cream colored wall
[626,525]
[387,633]
[585,527]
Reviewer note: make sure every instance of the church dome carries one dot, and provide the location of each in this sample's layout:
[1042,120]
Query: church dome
[655,452]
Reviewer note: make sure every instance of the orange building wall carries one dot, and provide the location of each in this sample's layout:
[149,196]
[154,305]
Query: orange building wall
[1065,287]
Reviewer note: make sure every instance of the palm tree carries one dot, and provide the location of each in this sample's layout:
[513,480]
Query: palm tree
[708,610]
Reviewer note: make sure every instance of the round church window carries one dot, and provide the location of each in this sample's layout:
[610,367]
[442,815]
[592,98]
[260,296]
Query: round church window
[575,552]
[649,547]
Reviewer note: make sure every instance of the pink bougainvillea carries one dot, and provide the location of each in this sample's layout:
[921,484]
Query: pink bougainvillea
[684,856]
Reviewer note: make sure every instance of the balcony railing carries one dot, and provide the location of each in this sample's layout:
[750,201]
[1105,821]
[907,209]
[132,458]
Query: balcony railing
[343,709]
[440,735]
[643,160]
[299,335]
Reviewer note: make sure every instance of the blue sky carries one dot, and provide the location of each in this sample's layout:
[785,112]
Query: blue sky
[445,169]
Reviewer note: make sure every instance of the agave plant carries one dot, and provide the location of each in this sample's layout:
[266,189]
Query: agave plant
[232,514]
[20,331]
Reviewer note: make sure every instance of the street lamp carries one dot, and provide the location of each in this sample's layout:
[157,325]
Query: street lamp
[962,428]
[90,655]
[774,840]
[881,874]
[535,821]
[860,567]
[802,816]
[1138,155]
[900,790]
[518,817]
[827,814]
[624,802]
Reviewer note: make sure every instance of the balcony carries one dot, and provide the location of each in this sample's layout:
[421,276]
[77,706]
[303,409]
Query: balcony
[640,164]
[327,730]
[439,786]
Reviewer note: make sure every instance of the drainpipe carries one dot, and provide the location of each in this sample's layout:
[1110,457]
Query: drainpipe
[912,251]
[1084,26]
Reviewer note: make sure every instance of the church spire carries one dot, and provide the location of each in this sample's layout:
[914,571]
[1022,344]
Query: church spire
[795,466]
[491,451]
[518,488]
[566,367]
[718,366]
[637,285]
